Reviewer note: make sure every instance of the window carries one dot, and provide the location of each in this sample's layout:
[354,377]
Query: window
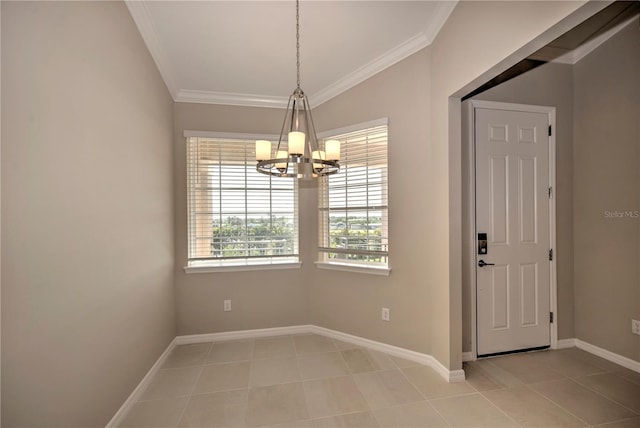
[353,208]
[237,216]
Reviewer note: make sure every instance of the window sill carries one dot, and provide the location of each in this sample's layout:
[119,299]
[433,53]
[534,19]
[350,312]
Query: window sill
[241,268]
[354,268]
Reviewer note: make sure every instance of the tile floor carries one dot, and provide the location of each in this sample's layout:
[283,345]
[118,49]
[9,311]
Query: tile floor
[314,381]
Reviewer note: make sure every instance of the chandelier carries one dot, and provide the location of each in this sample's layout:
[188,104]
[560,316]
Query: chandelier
[301,156]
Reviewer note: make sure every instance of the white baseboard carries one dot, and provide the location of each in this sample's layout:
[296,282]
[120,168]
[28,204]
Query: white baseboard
[608,355]
[600,352]
[585,346]
[116,420]
[426,359]
[448,375]
[565,343]
[242,334]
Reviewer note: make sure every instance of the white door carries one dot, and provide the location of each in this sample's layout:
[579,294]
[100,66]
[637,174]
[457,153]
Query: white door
[512,209]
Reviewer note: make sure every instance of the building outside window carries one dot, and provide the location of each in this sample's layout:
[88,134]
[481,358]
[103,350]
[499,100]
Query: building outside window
[237,216]
[353,206]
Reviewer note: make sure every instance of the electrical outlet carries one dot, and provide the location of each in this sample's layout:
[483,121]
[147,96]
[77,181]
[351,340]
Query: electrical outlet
[227,305]
[635,327]
[385,314]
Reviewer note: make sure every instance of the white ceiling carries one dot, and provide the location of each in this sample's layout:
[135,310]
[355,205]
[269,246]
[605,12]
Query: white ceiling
[243,52]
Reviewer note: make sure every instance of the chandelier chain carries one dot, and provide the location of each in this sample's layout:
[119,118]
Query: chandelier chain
[298,41]
[301,157]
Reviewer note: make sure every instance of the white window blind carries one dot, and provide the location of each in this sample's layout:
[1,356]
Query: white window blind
[353,207]
[237,216]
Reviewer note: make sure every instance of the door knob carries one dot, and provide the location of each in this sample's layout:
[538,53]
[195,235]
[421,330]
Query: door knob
[482,263]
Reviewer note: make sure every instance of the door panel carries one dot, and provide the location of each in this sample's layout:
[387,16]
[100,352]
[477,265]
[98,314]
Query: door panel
[529,294]
[500,297]
[527,198]
[512,207]
[499,201]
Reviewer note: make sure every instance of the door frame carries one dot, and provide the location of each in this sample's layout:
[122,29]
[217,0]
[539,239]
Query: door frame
[471,250]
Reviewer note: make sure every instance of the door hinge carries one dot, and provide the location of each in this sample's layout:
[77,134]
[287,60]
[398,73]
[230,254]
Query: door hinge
[549,130]
[551,254]
[551,317]
[550,192]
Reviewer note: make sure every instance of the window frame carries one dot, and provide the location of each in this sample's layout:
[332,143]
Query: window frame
[323,261]
[236,264]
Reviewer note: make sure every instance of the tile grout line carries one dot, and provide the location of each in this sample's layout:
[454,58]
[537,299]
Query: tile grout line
[565,377]
[619,420]
[348,374]
[184,410]
[304,392]
[438,413]
[588,389]
[394,366]
[412,384]
[369,409]
[613,400]
[628,379]
[539,393]
[475,391]
[353,379]
[245,414]
[500,410]
[251,359]
[558,404]
[446,421]
[500,369]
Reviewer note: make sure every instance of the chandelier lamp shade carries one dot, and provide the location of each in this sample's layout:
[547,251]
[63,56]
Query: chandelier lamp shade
[298,153]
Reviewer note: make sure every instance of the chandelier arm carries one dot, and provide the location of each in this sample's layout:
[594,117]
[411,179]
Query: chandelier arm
[313,137]
[294,112]
[284,123]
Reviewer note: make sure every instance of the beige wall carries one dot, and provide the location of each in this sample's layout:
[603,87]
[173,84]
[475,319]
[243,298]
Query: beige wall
[547,85]
[348,302]
[470,49]
[87,220]
[607,179]
[424,288]
[87,214]
[260,299]
[352,302]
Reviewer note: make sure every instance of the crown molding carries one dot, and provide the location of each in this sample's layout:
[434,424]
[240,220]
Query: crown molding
[142,17]
[389,58]
[230,98]
[384,61]
[441,14]
[352,79]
